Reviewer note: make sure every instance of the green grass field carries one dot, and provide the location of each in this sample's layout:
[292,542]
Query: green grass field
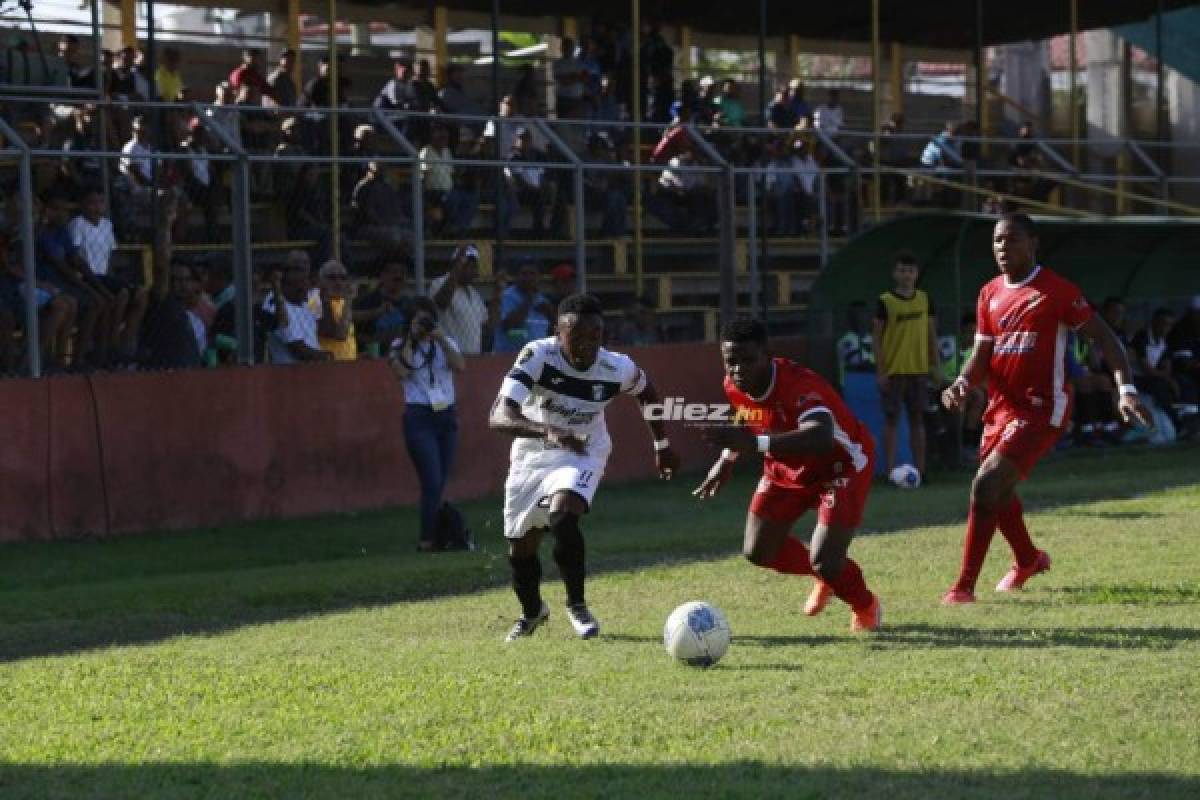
[325,658]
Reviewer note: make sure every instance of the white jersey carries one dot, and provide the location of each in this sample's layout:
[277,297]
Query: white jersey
[553,392]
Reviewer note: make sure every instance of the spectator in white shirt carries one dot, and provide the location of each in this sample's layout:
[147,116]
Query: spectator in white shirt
[92,236]
[790,180]
[462,311]
[137,165]
[437,172]
[294,338]
[683,200]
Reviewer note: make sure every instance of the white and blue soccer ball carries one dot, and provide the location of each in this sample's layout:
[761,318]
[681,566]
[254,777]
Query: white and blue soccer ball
[697,634]
[905,476]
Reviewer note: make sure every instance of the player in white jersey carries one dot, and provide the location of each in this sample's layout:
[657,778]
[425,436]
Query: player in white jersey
[552,404]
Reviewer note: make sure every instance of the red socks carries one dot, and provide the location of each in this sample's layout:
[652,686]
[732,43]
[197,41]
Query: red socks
[850,587]
[1011,520]
[981,528]
[792,558]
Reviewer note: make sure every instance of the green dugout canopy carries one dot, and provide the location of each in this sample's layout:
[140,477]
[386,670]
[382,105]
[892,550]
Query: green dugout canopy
[1142,260]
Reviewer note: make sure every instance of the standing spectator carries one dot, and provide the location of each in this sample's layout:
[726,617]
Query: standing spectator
[906,335]
[79,76]
[335,331]
[383,313]
[124,83]
[249,73]
[437,172]
[524,93]
[461,308]
[296,311]
[639,325]
[781,113]
[606,189]
[425,94]
[829,116]
[200,185]
[93,239]
[942,150]
[453,98]
[168,81]
[527,181]
[525,313]
[729,105]
[80,170]
[425,360]
[398,94]
[790,180]
[380,211]
[570,82]
[283,87]
[801,110]
[290,145]
[660,98]
[173,337]
[606,107]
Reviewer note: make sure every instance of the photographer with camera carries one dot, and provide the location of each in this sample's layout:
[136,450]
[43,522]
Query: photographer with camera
[425,360]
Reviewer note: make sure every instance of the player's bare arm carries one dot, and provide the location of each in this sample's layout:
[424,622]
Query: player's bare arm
[1130,405]
[666,459]
[974,372]
[506,418]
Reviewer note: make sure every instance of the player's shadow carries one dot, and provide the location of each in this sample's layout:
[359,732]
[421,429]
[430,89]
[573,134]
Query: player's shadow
[748,640]
[1115,516]
[1102,638]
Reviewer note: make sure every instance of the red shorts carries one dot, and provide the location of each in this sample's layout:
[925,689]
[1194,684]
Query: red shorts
[1020,439]
[839,503]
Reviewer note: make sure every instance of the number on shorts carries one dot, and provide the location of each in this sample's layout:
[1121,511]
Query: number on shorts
[585,478]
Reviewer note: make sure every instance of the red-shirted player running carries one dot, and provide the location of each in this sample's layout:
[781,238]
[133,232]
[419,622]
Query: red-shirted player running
[817,455]
[1024,316]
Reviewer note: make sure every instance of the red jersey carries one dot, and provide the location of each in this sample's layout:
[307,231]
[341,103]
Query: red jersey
[1028,324]
[794,394]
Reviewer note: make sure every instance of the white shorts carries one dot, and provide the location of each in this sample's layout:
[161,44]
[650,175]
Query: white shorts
[534,478]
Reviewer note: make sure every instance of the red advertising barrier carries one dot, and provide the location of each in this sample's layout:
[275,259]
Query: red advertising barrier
[121,453]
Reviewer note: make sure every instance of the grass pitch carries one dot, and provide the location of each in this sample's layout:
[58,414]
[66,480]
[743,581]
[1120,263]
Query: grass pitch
[324,658]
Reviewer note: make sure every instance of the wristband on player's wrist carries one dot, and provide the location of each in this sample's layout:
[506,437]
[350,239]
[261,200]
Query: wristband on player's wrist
[1128,389]
[661,444]
[729,455]
[763,442]
[962,381]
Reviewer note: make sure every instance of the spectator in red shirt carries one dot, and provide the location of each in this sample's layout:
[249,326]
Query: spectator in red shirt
[249,73]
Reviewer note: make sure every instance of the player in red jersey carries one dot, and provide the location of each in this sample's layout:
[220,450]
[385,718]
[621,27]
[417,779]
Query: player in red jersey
[816,455]
[1024,317]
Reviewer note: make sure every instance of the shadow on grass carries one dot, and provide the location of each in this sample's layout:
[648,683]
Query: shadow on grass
[63,597]
[1115,516]
[1105,638]
[747,779]
[1127,594]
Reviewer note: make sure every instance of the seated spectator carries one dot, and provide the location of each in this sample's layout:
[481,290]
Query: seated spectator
[172,336]
[283,87]
[62,265]
[829,117]
[675,139]
[125,83]
[639,325]
[383,313]
[462,201]
[56,313]
[1151,361]
[350,173]
[972,410]
[168,80]
[606,107]
[605,189]
[137,167]
[1094,417]
[221,292]
[781,113]
[942,150]
[93,239]
[525,313]
[425,94]
[502,132]
[683,200]
[856,347]
[729,105]
[527,182]
[1184,342]
[335,331]
[296,310]
[425,359]
[79,75]
[224,113]
[380,210]
[291,144]
[461,308]
[524,92]
[660,97]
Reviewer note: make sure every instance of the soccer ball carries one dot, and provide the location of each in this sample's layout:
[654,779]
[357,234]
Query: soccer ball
[905,476]
[697,634]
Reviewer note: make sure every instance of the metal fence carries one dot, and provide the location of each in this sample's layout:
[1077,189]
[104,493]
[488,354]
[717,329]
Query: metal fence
[696,223]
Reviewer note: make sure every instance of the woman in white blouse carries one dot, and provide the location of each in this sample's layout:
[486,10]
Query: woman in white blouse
[425,360]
